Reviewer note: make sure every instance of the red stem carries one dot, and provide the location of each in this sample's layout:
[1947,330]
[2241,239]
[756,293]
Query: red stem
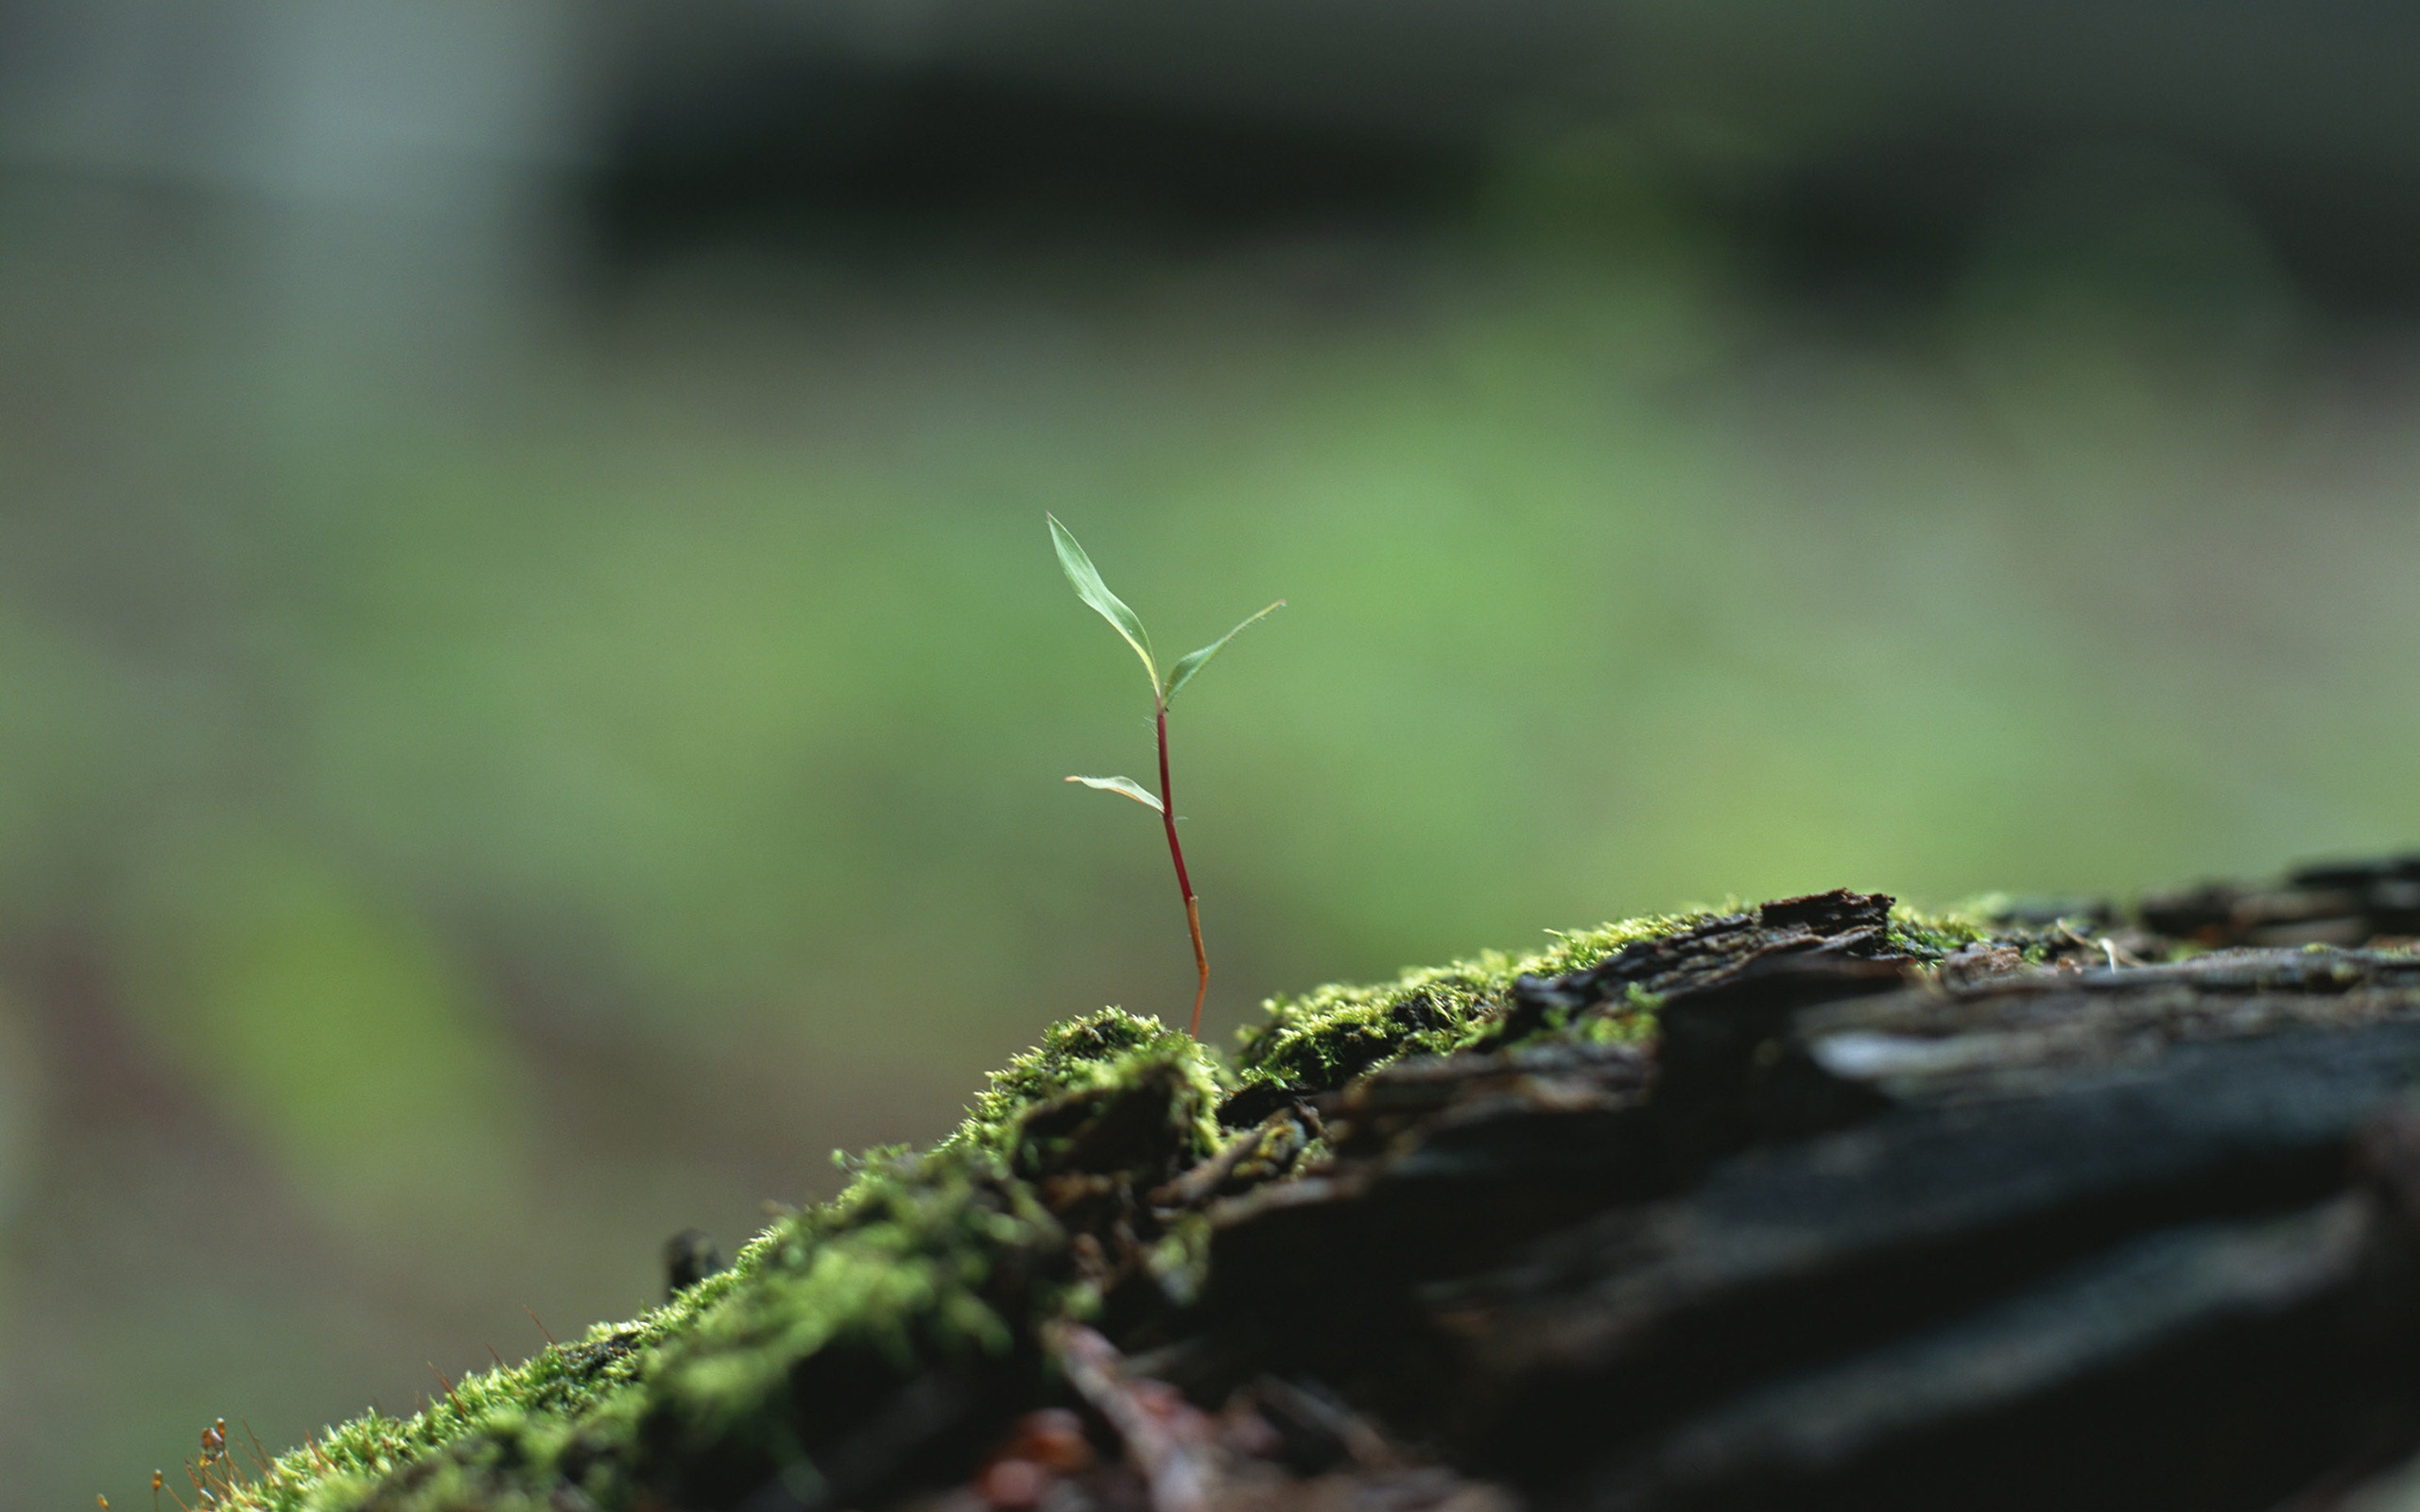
[1183,883]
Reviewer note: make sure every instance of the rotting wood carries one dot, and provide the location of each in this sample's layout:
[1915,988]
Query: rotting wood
[2111,1208]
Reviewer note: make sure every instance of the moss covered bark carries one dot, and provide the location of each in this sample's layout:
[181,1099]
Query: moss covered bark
[853,1346]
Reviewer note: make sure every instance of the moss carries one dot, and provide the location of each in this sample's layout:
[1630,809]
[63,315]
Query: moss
[513,1405]
[944,1260]
[941,1262]
[908,1271]
[1323,1038]
[1090,1054]
[2038,933]
[926,1261]
[1932,934]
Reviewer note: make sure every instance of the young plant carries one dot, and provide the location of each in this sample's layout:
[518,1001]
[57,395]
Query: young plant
[1089,588]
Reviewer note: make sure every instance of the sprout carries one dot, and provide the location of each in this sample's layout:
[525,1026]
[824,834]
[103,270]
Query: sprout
[1089,587]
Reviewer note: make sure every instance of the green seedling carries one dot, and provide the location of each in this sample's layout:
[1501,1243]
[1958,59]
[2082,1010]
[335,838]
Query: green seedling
[1089,588]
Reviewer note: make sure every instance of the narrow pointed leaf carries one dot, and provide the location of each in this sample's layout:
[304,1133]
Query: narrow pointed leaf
[1124,785]
[1089,588]
[1191,662]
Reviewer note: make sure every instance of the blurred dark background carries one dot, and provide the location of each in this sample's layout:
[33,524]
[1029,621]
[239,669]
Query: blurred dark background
[533,684]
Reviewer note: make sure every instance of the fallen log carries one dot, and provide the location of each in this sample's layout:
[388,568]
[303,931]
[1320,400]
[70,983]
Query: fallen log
[1813,1205]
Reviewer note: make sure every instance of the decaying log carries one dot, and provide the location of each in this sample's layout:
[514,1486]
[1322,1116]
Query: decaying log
[1864,1231]
[1808,1206]
[1795,1207]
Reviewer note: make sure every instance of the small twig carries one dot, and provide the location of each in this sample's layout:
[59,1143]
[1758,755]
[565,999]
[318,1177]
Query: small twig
[1191,1187]
[2099,942]
[1175,1471]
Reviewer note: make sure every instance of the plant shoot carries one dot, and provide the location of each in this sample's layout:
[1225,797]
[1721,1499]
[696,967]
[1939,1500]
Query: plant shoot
[1089,588]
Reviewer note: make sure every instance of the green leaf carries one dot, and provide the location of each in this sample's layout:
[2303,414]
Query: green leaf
[1182,672]
[1126,785]
[1089,588]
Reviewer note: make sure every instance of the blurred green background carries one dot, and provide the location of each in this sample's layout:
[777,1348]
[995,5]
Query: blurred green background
[533,685]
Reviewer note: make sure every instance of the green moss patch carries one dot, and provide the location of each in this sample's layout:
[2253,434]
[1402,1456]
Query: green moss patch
[1321,1038]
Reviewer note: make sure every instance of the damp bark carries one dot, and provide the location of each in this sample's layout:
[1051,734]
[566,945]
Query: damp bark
[1814,1204]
